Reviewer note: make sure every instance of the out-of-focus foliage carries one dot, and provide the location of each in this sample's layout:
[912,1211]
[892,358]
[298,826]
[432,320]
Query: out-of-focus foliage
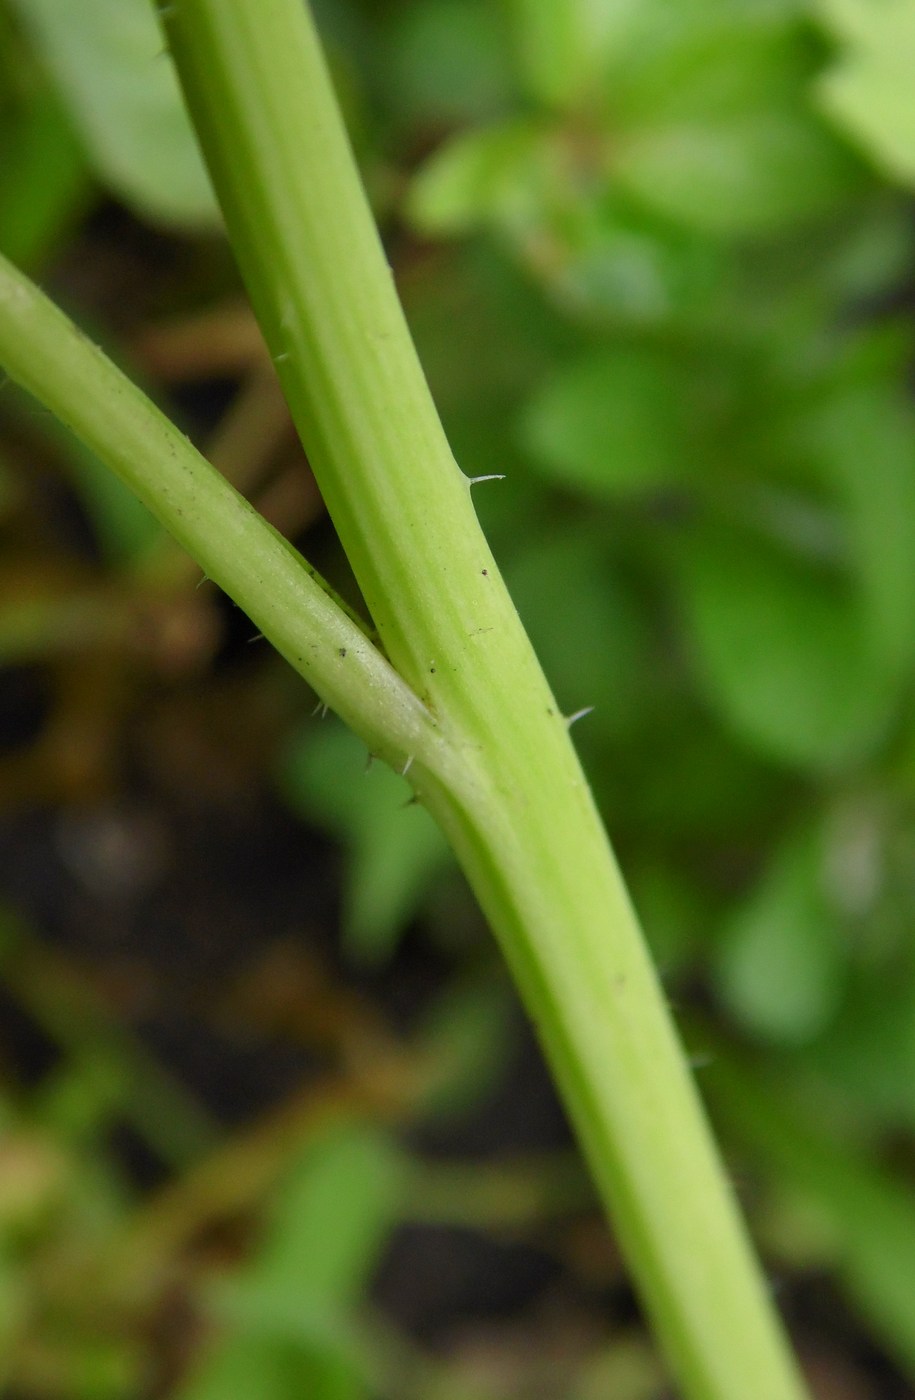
[391,861]
[123,99]
[291,1332]
[865,88]
[657,258]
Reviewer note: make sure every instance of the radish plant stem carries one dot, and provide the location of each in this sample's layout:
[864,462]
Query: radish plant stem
[45,352]
[520,816]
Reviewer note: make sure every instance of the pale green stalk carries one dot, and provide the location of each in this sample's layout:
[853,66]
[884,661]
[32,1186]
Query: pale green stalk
[43,351]
[521,816]
[463,696]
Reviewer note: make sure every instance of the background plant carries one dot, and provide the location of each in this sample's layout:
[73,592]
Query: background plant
[663,287]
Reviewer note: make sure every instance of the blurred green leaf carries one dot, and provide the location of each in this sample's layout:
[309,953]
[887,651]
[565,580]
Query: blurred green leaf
[779,648]
[258,1368]
[869,1054]
[291,1333]
[715,132]
[584,624]
[465,1042]
[618,264]
[872,256]
[860,441]
[782,962]
[614,423]
[597,251]
[447,62]
[561,45]
[671,910]
[45,182]
[749,174]
[107,56]
[867,90]
[691,780]
[552,48]
[492,176]
[394,848]
[704,60]
[871,1213]
[100,1368]
[338,1204]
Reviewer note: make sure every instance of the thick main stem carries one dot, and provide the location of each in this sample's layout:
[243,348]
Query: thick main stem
[496,765]
[521,817]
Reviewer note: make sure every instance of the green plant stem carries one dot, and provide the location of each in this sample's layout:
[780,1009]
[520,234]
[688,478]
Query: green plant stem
[520,814]
[45,352]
